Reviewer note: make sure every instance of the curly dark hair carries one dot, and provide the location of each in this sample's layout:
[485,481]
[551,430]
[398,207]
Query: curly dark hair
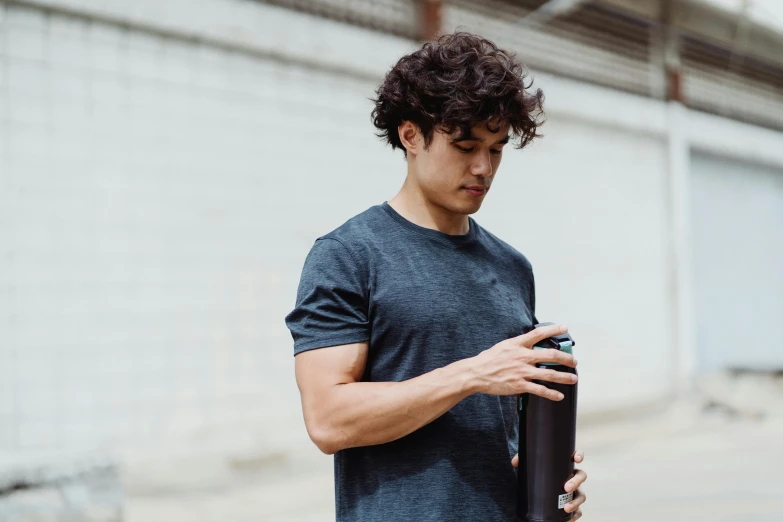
[457,82]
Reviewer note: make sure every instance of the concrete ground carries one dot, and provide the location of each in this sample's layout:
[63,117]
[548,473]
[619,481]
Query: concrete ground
[699,460]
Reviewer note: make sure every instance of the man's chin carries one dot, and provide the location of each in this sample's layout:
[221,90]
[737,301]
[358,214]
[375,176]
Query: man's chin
[468,207]
[475,208]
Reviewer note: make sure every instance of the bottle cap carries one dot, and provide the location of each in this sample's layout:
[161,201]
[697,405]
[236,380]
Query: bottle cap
[562,342]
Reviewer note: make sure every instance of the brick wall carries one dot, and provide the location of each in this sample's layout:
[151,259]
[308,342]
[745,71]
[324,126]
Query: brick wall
[154,225]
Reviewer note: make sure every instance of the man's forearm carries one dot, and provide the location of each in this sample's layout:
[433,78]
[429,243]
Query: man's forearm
[368,413]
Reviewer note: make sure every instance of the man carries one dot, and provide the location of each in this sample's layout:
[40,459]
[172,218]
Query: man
[408,317]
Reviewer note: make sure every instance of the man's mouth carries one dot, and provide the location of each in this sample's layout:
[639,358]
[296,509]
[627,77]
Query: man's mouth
[476,190]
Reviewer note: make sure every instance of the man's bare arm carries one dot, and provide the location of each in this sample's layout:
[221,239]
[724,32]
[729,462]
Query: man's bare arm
[342,412]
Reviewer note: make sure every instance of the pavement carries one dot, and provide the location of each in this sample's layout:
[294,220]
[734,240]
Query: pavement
[716,458]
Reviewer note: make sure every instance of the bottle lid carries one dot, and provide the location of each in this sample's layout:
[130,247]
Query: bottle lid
[562,342]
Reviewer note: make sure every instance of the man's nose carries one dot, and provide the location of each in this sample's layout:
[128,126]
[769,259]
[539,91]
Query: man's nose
[482,165]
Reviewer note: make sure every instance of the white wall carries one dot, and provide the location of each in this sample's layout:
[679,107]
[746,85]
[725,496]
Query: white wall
[159,196]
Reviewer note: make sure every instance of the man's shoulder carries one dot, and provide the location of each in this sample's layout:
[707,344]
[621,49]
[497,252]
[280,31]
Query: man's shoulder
[356,231]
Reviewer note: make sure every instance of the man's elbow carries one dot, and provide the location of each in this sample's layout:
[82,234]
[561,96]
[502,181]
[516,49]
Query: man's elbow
[323,437]
[327,448]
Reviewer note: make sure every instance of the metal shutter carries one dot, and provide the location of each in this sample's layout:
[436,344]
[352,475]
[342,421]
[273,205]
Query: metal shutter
[738,86]
[594,43]
[399,17]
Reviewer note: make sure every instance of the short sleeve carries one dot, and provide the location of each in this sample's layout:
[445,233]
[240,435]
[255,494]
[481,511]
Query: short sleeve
[331,302]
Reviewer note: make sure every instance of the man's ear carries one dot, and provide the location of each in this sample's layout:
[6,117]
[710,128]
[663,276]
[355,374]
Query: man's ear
[411,137]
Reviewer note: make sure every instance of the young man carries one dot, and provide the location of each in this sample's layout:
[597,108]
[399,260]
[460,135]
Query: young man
[408,317]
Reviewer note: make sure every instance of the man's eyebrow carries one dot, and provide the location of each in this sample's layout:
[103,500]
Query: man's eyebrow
[466,137]
[471,137]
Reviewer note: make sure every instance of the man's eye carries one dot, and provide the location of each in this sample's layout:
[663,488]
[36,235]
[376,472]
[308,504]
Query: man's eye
[496,152]
[464,149]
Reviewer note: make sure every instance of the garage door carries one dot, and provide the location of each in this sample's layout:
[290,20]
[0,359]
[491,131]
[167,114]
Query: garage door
[737,247]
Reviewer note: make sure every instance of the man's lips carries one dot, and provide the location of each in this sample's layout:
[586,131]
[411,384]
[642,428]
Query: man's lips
[476,190]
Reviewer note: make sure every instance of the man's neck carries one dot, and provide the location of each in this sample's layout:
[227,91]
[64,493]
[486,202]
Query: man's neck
[411,204]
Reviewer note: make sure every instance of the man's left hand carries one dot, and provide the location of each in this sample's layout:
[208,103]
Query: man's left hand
[572,485]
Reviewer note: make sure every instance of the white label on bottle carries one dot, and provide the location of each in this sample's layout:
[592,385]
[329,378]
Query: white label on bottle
[564,499]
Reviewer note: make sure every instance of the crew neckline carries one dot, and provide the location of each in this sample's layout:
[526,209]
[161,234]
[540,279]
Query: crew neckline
[457,239]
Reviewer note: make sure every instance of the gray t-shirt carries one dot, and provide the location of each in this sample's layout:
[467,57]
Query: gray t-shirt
[423,299]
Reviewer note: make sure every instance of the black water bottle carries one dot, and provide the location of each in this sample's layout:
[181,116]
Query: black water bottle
[547,440]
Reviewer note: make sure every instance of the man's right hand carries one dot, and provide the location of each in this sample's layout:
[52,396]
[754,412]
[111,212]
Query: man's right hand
[509,367]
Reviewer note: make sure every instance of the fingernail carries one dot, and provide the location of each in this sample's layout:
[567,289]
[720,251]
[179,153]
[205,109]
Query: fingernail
[563,328]
[573,378]
[560,396]
[568,488]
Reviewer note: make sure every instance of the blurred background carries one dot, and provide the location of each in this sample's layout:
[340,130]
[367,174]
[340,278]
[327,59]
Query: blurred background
[165,166]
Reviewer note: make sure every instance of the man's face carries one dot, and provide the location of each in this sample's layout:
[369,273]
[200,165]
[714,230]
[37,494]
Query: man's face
[457,169]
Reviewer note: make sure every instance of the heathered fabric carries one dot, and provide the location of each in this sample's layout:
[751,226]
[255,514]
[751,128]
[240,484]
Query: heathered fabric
[423,299]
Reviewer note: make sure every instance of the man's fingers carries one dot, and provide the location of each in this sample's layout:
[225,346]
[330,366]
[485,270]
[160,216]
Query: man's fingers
[543,391]
[554,376]
[555,356]
[515,461]
[577,515]
[579,499]
[538,334]
[579,457]
[576,481]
